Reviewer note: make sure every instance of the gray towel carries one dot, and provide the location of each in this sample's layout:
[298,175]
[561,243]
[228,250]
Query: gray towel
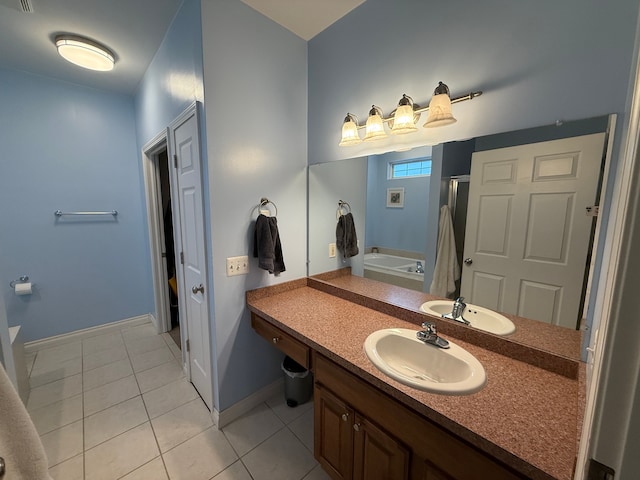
[346,238]
[266,246]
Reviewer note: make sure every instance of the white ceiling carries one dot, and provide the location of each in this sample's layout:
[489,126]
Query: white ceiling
[305,18]
[132,29]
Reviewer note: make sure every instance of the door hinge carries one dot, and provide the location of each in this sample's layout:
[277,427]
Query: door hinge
[593,211]
[188,345]
[175,161]
[182,258]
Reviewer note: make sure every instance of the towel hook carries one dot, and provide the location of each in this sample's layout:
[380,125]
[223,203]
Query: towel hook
[342,205]
[264,201]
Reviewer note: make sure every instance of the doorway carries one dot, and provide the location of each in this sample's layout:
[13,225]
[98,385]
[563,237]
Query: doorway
[168,252]
[172,167]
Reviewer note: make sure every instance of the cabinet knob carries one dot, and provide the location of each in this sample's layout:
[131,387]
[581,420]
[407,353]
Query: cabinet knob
[356,427]
[345,417]
[276,339]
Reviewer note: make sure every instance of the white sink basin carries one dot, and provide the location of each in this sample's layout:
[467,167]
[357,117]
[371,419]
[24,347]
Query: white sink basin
[479,317]
[397,352]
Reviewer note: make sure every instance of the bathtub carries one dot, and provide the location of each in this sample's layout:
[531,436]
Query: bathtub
[393,266]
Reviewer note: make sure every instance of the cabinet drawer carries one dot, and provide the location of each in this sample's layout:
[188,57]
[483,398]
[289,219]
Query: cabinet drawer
[285,342]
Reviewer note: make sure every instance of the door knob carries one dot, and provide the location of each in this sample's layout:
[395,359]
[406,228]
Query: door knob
[468,261]
[2,468]
[200,289]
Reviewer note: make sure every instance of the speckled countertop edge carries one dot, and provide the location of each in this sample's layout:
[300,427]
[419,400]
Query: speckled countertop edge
[531,438]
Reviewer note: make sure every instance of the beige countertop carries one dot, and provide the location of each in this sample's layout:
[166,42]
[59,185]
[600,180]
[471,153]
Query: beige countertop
[526,417]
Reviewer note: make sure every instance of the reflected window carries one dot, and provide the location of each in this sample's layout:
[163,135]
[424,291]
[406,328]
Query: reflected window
[410,168]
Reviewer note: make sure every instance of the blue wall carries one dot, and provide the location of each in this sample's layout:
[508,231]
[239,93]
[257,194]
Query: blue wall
[535,61]
[256,95]
[173,80]
[70,148]
[398,228]
[172,83]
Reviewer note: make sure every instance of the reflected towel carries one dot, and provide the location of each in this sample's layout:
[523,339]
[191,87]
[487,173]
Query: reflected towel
[266,246]
[20,445]
[346,238]
[447,269]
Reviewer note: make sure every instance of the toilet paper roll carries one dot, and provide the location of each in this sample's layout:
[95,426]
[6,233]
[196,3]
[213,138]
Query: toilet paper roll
[23,288]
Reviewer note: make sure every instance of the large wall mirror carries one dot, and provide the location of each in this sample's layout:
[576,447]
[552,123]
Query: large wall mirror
[500,203]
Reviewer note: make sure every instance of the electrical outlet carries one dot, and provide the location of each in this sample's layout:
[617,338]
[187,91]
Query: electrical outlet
[237,265]
[332,250]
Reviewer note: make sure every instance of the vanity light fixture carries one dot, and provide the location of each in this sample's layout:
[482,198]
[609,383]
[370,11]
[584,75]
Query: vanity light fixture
[350,131]
[85,53]
[404,118]
[374,129]
[440,113]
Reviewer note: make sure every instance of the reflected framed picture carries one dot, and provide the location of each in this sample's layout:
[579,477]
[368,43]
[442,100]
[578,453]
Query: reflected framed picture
[395,197]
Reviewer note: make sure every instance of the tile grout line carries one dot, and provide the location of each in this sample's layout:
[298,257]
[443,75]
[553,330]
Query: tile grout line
[153,430]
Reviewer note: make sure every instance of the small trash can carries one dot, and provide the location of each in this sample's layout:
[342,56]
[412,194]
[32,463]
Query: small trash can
[298,382]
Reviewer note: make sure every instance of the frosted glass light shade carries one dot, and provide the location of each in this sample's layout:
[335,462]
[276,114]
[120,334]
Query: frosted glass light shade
[85,53]
[375,127]
[349,133]
[440,111]
[403,120]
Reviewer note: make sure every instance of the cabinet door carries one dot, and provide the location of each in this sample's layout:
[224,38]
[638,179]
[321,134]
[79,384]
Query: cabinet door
[422,469]
[376,454]
[333,434]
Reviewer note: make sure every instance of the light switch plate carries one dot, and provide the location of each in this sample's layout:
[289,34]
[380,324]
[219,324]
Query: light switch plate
[237,265]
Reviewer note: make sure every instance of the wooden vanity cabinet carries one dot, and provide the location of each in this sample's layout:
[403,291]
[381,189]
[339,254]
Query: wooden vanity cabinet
[350,446]
[362,433]
[389,441]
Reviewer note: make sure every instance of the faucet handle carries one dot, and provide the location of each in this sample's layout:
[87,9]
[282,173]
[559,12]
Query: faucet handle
[460,300]
[430,328]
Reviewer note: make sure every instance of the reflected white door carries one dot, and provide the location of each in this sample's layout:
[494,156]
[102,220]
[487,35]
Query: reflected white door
[528,234]
[193,267]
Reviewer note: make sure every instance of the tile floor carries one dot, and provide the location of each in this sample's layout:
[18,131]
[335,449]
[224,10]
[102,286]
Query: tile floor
[117,406]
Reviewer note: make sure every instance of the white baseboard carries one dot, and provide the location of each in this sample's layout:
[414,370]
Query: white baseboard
[228,415]
[57,340]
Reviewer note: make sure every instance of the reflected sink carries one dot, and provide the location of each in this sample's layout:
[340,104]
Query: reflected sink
[479,317]
[397,352]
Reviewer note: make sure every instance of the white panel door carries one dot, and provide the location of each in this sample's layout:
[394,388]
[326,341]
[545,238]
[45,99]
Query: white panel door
[527,234]
[193,267]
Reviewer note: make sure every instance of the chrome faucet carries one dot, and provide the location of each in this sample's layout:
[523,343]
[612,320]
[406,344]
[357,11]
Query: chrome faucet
[457,312]
[430,335]
[419,267]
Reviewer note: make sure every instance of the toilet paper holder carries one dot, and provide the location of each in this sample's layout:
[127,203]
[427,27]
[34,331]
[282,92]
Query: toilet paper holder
[22,279]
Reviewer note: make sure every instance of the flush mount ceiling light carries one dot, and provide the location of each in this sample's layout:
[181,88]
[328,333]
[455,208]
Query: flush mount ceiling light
[85,53]
[404,118]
